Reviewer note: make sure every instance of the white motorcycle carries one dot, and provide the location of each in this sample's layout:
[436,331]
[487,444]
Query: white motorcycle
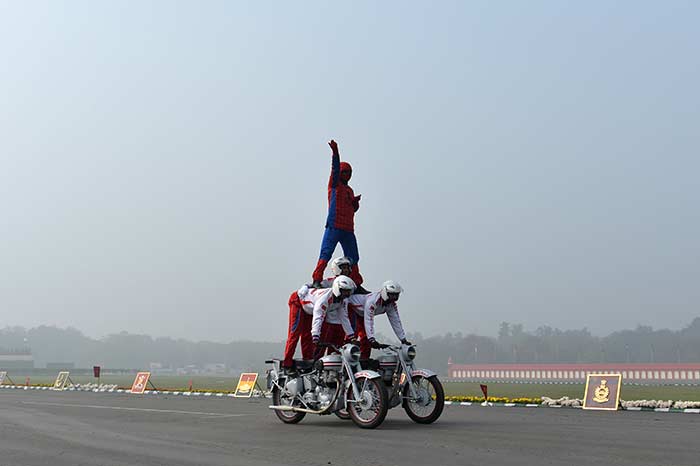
[418,390]
[334,383]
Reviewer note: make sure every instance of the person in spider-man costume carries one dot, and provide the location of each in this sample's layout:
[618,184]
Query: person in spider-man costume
[340,223]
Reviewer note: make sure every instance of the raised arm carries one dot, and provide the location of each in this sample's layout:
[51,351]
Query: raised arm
[335,165]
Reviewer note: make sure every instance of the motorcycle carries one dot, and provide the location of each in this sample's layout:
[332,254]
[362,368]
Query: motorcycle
[331,384]
[418,390]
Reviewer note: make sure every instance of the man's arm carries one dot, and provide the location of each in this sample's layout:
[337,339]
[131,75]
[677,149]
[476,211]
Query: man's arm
[335,165]
[392,312]
[369,320]
[319,316]
[356,202]
[345,321]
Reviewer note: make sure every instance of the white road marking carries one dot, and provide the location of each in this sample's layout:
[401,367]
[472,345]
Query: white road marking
[123,408]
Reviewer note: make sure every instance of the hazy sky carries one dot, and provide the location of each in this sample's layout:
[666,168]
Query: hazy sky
[163,165]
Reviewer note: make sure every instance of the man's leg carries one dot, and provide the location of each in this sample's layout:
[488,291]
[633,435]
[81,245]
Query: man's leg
[349,244]
[328,243]
[294,331]
[323,338]
[307,344]
[337,334]
[365,348]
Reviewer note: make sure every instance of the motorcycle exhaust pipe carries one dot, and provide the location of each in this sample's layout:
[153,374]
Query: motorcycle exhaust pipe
[297,410]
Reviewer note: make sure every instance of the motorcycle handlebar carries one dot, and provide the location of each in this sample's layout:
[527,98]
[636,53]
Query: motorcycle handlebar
[326,345]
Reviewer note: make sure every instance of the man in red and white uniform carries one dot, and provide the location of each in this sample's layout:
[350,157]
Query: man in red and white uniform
[330,322]
[339,266]
[363,308]
[309,310]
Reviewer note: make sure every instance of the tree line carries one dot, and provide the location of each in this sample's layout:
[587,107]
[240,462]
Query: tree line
[512,345]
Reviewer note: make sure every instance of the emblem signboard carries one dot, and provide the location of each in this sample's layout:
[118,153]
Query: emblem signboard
[246,384]
[61,380]
[140,382]
[602,391]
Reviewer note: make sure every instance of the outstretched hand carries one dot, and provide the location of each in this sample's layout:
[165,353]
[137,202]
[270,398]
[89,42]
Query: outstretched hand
[334,146]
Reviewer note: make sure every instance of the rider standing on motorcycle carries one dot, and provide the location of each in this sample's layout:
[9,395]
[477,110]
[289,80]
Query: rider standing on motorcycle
[363,308]
[339,266]
[340,223]
[330,322]
[306,306]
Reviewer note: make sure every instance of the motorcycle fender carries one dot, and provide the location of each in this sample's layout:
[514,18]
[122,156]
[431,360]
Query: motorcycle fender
[422,372]
[368,374]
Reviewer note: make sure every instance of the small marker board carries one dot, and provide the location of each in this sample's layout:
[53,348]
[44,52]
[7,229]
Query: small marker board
[246,384]
[140,382]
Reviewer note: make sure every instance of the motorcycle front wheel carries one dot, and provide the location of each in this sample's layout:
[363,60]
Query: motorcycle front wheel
[279,399]
[370,410]
[427,407]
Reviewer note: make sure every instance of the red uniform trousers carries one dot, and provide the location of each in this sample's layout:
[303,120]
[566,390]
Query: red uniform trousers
[358,324]
[299,327]
[330,333]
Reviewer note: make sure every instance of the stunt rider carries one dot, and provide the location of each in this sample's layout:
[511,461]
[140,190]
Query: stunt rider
[330,322]
[304,304]
[363,308]
[340,223]
[339,266]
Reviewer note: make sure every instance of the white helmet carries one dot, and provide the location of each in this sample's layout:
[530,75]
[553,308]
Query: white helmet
[342,283]
[390,287]
[337,263]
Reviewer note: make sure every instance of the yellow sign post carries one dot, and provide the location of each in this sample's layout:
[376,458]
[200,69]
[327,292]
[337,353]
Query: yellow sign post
[61,380]
[602,392]
[246,384]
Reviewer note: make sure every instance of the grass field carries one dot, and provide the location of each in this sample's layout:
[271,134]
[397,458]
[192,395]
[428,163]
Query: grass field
[509,390]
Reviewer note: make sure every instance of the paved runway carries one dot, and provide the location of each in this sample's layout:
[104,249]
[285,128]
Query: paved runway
[72,428]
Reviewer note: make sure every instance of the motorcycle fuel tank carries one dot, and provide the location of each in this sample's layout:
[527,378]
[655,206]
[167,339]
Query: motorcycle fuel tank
[332,362]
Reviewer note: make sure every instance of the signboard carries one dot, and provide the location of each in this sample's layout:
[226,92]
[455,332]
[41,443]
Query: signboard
[61,380]
[140,382]
[96,371]
[2,377]
[246,384]
[602,391]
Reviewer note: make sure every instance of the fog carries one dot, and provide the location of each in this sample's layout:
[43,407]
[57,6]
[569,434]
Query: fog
[163,166]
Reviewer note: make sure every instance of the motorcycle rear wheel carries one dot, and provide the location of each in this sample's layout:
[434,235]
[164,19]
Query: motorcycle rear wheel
[370,411]
[288,417]
[429,408]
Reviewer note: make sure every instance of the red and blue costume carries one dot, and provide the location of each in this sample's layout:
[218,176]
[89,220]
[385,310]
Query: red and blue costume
[340,223]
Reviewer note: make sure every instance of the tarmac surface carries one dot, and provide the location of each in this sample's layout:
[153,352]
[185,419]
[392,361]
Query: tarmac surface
[77,428]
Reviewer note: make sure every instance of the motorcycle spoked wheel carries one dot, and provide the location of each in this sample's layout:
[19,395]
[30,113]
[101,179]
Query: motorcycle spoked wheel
[371,409]
[428,408]
[288,417]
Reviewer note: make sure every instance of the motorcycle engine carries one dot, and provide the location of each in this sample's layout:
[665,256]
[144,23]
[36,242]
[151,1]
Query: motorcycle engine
[309,398]
[324,396]
[330,377]
[294,386]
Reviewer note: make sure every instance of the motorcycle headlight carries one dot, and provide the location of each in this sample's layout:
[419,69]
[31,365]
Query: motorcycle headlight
[409,352]
[351,352]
